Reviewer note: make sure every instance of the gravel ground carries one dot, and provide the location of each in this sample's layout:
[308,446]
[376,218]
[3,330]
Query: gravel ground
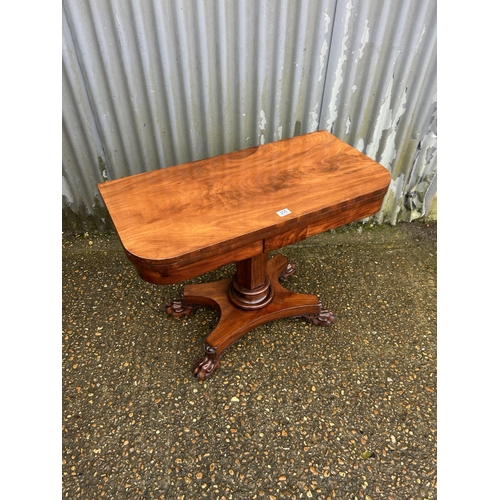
[294,410]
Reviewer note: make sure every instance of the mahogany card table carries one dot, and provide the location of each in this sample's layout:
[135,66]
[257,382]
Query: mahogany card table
[179,222]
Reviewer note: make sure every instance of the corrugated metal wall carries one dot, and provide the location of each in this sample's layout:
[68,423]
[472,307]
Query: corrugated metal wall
[155,83]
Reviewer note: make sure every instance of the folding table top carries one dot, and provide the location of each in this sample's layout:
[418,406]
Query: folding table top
[259,198]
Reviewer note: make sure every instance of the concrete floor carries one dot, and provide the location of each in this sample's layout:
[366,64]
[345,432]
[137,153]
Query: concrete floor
[294,411]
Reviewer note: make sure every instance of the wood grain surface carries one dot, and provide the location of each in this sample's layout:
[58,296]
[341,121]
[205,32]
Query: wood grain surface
[177,222]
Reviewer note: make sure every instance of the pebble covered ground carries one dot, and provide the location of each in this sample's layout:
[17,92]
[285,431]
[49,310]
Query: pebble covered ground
[294,410]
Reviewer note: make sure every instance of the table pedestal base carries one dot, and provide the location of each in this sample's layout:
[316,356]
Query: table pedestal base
[236,318]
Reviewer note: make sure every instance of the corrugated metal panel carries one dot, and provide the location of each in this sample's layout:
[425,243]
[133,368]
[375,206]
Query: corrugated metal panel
[380,94]
[156,83]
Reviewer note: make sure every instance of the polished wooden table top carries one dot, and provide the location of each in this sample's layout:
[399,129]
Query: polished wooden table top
[181,221]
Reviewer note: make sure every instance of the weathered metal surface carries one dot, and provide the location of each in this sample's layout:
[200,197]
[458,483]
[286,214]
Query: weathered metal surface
[156,83]
[380,93]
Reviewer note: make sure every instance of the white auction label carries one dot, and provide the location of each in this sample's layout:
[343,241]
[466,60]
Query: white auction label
[284,212]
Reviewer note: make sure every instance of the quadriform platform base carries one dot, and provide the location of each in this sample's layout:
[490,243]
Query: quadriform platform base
[179,222]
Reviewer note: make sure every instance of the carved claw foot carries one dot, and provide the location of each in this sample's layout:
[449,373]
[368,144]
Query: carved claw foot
[323,318]
[289,271]
[206,365]
[178,308]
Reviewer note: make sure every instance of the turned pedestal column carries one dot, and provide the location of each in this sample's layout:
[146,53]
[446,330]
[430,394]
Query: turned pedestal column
[252,297]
